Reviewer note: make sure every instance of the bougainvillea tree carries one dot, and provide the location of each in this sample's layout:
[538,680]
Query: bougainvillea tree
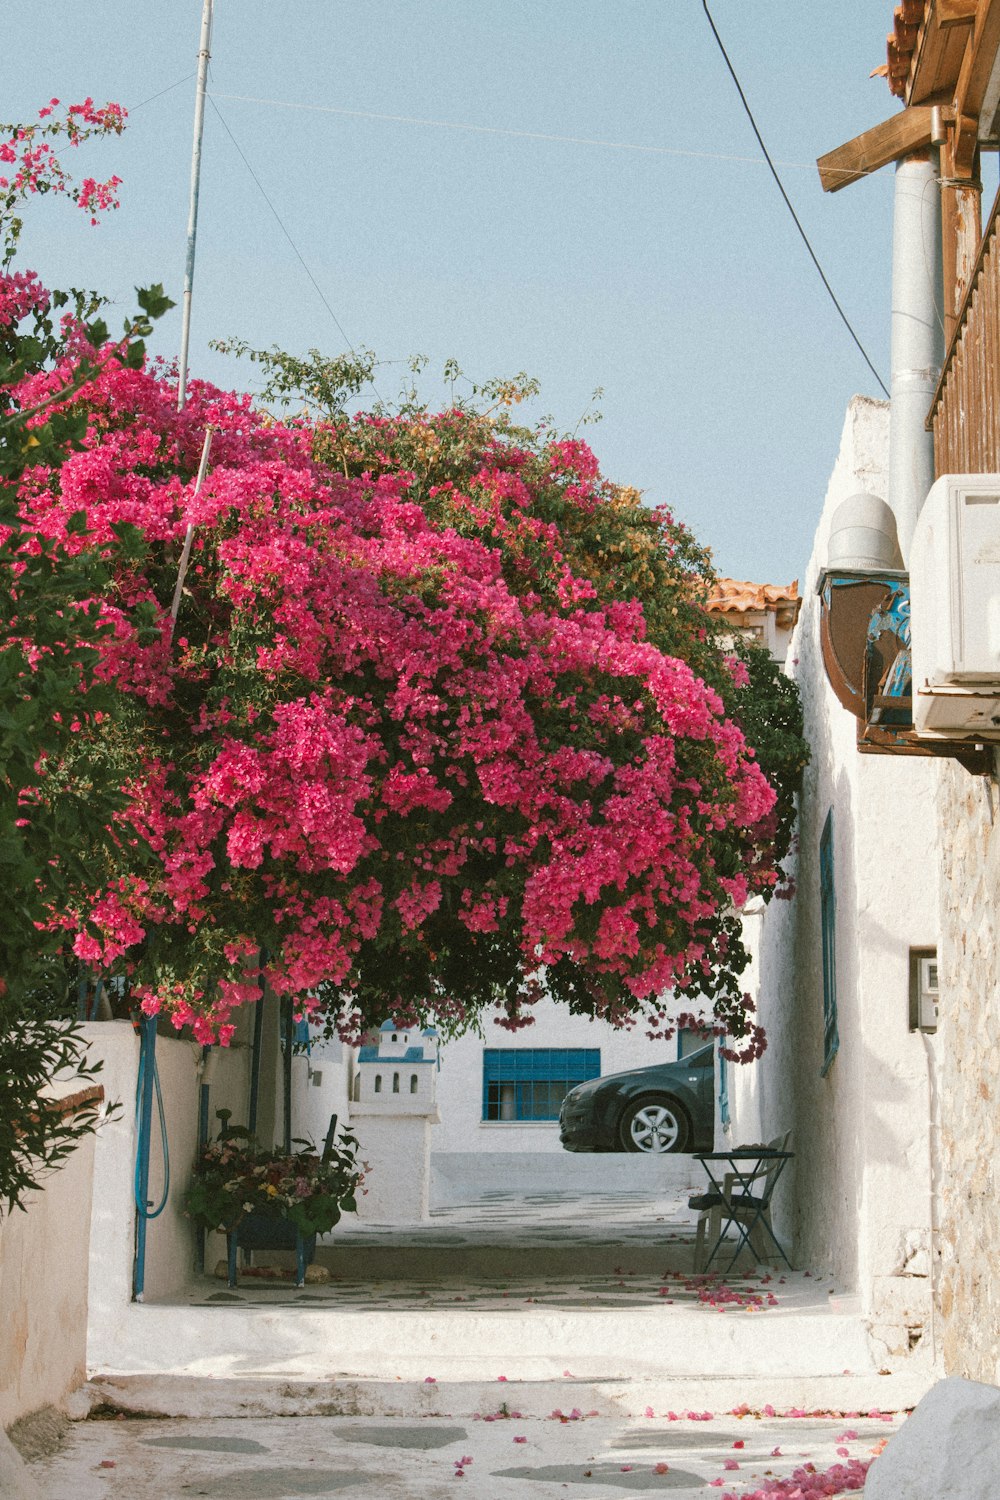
[441,719]
[566,535]
[364,751]
[56,802]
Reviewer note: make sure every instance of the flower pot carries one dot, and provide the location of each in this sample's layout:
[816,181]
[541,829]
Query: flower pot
[263,1232]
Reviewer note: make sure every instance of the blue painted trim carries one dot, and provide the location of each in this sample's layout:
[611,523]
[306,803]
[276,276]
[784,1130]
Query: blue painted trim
[144,1109]
[828,915]
[723,1086]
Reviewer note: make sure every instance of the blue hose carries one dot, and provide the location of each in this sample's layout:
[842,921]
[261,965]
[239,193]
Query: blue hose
[144,1143]
[148,1080]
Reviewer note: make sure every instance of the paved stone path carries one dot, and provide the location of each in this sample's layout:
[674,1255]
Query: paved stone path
[547,1249]
[495,1455]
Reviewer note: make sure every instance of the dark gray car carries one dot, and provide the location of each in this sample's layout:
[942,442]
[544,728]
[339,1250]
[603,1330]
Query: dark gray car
[668,1107]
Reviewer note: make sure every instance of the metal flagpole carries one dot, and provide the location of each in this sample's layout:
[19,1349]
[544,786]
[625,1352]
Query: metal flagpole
[199,125]
[147,1053]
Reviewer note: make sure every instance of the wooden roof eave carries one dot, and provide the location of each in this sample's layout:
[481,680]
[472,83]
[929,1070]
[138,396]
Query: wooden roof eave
[979,64]
[940,49]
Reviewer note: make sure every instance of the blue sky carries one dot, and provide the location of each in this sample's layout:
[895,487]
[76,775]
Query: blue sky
[673,277]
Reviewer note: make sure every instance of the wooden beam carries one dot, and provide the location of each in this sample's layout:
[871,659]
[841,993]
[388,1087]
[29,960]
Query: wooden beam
[973,80]
[956,12]
[961,221]
[901,134]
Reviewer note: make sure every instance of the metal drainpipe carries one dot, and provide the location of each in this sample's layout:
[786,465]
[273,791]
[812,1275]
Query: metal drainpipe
[288,1027]
[207,1071]
[258,1037]
[917,337]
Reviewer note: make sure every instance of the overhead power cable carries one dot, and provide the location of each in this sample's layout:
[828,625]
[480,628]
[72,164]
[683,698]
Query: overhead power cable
[788,204]
[169,89]
[520,135]
[298,254]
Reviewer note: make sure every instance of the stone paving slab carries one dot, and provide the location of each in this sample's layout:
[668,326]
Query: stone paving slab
[525,1288]
[497,1454]
[582,1217]
[532,1282]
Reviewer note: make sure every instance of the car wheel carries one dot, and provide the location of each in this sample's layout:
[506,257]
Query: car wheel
[654,1125]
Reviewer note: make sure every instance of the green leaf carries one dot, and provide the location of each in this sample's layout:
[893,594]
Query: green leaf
[153,300]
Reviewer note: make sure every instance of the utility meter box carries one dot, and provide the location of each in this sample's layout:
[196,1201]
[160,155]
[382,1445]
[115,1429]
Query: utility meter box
[924,991]
[955,609]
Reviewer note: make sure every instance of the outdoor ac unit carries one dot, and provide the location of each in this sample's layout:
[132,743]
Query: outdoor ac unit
[955,609]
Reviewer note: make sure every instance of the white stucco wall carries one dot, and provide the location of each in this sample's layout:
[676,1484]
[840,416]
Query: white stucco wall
[320,1083]
[170,1241]
[460,1081]
[862,1176]
[43,1290]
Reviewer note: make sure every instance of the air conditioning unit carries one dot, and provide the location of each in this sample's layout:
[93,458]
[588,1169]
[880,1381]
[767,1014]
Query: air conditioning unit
[955,609]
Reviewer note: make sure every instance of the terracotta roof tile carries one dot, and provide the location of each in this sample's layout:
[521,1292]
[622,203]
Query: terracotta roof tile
[732,596]
[71,1104]
[907,18]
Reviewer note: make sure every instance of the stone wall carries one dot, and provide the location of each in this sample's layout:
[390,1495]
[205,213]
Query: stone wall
[967,1264]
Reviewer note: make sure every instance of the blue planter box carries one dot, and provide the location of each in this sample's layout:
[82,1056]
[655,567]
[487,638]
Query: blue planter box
[261,1232]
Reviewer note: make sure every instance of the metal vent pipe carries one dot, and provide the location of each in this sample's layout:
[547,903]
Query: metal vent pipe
[917,349]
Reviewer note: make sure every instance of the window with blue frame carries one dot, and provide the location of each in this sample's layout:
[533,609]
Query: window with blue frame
[689,1041]
[529,1083]
[828,918]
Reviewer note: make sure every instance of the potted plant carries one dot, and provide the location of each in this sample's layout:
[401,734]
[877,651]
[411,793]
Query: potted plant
[272,1200]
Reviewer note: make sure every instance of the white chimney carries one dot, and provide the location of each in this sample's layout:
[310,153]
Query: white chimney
[917,349]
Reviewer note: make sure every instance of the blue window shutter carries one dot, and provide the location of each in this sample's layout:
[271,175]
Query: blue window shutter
[538,1076]
[828,914]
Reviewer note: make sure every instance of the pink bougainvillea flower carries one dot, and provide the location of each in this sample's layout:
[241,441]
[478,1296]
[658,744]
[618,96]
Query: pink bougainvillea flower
[395,740]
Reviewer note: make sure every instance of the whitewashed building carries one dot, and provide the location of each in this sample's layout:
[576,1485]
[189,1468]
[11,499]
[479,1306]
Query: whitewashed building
[847,1068]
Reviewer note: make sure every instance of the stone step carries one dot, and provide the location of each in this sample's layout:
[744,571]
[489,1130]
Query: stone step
[267,1396]
[306,1339]
[500,1261]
